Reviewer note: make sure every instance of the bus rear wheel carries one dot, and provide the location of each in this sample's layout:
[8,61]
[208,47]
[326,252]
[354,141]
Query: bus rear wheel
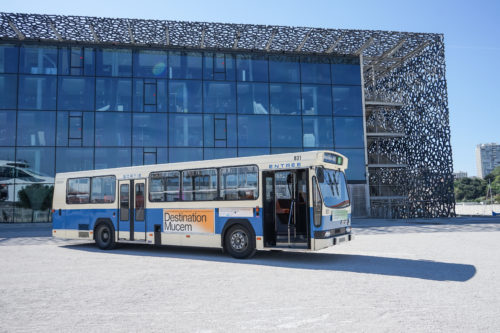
[239,242]
[105,237]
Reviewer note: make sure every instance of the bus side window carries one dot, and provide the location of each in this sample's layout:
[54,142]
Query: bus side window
[78,191]
[199,185]
[239,183]
[164,186]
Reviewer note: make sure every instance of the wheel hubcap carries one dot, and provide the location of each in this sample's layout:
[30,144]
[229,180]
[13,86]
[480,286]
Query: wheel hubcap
[105,235]
[239,240]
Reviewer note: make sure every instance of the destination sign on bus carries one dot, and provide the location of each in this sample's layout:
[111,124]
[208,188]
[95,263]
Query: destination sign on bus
[333,159]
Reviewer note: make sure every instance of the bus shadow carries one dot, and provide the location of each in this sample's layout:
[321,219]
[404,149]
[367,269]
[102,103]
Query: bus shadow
[411,268]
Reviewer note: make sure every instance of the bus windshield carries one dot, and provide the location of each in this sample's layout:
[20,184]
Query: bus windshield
[333,188]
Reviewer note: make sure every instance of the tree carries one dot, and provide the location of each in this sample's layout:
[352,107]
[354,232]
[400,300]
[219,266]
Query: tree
[36,197]
[470,188]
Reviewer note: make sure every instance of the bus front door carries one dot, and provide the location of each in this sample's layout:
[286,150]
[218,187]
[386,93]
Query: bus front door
[285,208]
[132,213]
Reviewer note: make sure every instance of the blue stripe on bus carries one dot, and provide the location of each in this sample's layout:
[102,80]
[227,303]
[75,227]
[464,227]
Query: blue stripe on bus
[71,218]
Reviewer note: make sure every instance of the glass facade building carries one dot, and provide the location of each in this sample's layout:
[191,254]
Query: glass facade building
[71,108]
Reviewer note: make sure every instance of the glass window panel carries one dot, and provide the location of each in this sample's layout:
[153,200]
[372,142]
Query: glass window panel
[285,98]
[239,183]
[137,156]
[74,159]
[317,132]
[317,100]
[7,130]
[219,66]
[113,94]
[161,155]
[253,131]
[346,70]
[199,185]
[75,127]
[112,129]
[8,91]
[231,131]
[251,68]
[253,98]
[149,158]
[112,158]
[357,168]
[214,153]
[220,129]
[150,129]
[161,97]
[284,69]
[36,128]
[349,132]
[39,161]
[7,154]
[185,65]
[86,124]
[7,178]
[185,96]
[286,131]
[37,92]
[185,154]
[76,61]
[78,191]
[285,150]
[150,63]
[103,189]
[62,128]
[8,58]
[88,128]
[7,188]
[242,152]
[185,130]
[75,93]
[164,186]
[114,62]
[38,60]
[34,202]
[347,101]
[208,130]
[219,97]
[315,70]
[150,95]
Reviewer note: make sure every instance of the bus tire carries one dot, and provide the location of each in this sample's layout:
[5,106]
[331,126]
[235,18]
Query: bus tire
[239,243]
[105,236]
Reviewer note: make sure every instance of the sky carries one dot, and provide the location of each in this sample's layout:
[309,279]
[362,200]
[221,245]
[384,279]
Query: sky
[471,32]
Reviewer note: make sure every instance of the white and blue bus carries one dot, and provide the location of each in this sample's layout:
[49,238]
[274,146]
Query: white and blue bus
[285,201]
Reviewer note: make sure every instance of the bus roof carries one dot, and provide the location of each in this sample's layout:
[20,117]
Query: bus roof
[285,161]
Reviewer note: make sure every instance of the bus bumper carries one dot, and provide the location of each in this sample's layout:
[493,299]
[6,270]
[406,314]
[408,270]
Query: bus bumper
[321,243]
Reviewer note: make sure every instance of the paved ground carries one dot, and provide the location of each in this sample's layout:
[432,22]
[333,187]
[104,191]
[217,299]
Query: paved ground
[432,275]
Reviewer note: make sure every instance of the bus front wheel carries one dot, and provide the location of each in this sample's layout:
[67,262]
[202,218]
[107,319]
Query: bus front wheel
[105,237]
[239,242]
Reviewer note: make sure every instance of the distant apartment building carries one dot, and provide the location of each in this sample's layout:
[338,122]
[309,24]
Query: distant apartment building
[460,174]
[487,158]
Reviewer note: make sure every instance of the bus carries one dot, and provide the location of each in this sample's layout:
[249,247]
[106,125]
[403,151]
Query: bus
[294,201]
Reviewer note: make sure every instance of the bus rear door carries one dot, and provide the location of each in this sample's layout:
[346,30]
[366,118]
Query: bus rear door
[131,210]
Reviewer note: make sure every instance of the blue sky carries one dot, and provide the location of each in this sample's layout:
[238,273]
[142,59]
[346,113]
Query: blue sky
[471,30]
